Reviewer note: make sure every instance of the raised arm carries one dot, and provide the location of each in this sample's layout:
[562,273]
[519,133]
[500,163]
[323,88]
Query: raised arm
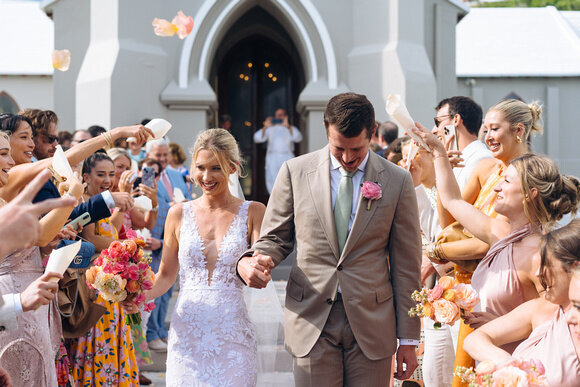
[21,174]
[483,227]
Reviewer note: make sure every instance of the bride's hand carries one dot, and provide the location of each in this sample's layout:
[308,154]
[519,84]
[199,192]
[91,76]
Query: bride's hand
[129,305]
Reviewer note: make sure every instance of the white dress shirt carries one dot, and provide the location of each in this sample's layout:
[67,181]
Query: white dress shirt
[472,154]
[10,307]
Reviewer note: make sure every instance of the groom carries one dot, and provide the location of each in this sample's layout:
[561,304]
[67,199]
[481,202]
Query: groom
[349,290]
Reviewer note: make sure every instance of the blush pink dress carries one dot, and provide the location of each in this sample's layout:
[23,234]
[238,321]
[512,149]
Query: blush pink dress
[496,279]
[552,344]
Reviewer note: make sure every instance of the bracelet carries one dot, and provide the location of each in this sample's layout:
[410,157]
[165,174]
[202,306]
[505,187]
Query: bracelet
[440,254]
[432,252]
[155,209]
[109,139]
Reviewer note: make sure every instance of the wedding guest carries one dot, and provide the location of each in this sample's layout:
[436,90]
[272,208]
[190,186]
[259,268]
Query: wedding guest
[136,152]
[159,150]
[44,131]
[281,137]
[65,139]
[176,158]
[210,327]
[532,196]
[28,354]
[393,153]
[387,132]
[105,354]
[509,124]
[541,322]
[573,315]
[79,136]
[96,130]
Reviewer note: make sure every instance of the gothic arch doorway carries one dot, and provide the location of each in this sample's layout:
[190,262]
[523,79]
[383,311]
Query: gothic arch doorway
[257,71]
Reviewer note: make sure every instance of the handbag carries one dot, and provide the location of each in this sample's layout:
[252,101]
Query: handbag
[456,232]
[83,258]
[76,304]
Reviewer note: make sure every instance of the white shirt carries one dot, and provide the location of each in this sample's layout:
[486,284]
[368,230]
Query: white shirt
[472,154]
[10,307]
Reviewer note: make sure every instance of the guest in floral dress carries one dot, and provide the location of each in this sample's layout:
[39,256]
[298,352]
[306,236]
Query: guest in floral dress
[105,355]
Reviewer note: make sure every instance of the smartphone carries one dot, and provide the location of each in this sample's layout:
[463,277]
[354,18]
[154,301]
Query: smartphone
[450,131]
[276,121]
[148,176]
[82,220]
[136,182]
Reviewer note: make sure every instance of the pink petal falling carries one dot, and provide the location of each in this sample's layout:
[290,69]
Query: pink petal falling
[61,59]
[164,28]
[183,23]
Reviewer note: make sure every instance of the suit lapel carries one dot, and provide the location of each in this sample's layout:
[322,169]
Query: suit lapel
[362,218]
[319,187]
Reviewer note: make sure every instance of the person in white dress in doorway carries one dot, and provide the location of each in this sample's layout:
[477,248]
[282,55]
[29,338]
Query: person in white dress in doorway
[281,137]
[211,340]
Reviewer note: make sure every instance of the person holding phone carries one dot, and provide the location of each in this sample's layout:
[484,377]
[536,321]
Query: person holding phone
[281,137]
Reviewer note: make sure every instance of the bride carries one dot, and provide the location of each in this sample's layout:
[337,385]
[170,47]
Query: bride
[211,340]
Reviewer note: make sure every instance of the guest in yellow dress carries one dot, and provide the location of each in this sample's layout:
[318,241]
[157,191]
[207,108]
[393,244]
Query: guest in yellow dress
[104,355]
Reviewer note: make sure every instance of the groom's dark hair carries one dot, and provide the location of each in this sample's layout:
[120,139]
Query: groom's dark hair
[350,113]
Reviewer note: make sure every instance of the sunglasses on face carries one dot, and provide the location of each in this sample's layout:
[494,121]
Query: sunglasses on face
[51,138]
[438,119]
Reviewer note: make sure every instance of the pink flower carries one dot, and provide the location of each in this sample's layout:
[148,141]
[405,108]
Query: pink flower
[142,266]
[131,234]
[371,191]
[61,59]
[115,250]
[131,272]
[147,285]
[162,27]
[537,366]
[149,307]
[466,296]
[435,293]
[510,376]
[446,312]
[183,23]
[140,298]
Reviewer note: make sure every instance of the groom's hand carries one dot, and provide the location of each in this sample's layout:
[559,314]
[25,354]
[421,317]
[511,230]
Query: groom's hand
[406,355]
[255,270]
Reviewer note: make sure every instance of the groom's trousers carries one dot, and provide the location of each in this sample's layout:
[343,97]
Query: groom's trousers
[337,360]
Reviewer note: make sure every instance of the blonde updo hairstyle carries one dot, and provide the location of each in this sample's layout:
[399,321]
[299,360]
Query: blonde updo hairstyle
[115,153]
[224,147]
[517,112]
[557,194]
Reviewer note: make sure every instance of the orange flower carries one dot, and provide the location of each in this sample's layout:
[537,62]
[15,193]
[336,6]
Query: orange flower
[446,312]
[447,282]
[184,24]
[164,28]
[428,310]
[61,59]
[132,286]
[91,274]
[130,246]
[466,296]
[449,294]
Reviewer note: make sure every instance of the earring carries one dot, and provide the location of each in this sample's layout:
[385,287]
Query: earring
[518,139]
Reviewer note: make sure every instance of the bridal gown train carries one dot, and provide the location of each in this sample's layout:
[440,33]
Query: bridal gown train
[211,339]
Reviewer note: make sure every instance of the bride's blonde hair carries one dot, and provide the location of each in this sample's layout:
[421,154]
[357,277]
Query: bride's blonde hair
[224,147]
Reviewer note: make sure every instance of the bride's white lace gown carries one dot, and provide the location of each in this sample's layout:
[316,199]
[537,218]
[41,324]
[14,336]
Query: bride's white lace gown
[211,339]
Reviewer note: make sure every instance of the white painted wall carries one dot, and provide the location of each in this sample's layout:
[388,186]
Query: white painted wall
[29,91]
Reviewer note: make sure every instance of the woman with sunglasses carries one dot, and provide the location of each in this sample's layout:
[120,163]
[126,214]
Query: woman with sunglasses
[546,323]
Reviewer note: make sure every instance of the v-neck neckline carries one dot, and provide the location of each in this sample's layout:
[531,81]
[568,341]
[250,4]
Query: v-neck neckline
[218,246]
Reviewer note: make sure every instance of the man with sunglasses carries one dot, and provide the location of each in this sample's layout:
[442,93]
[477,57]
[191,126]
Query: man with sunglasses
[463,116]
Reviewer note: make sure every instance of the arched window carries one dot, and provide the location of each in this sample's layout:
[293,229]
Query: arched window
[7,103]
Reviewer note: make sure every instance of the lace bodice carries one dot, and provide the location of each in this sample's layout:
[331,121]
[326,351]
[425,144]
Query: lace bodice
[211,338]
[192,261]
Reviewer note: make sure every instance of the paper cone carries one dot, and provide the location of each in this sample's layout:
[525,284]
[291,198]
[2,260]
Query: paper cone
[143,203]
[60,163]
[413,149]
[398,111]
[60,259]
[178,195]
[159,126]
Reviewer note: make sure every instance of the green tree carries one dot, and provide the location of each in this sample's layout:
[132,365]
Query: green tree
[563,5]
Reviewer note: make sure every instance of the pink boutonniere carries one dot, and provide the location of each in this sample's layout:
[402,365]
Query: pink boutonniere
[371,191]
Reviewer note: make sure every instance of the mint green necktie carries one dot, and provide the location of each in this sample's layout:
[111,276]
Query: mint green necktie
[343,207]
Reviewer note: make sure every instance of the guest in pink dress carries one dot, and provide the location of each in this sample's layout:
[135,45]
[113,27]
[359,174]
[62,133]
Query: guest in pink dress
[531,197]
[541,322]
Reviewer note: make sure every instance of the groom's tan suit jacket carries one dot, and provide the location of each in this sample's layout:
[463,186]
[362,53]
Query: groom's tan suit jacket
[377,271]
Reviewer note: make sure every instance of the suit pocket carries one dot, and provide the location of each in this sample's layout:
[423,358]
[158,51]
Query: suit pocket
[383,294]
[295,291]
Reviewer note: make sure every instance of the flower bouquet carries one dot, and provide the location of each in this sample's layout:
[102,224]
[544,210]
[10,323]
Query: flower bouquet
[445,303]
[123,270]
[512,373]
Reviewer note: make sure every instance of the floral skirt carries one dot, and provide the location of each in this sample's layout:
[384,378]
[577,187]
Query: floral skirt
[140,344]
[105,355]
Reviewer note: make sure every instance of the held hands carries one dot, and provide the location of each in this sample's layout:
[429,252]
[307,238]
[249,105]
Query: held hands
[255,270]
[40,292]
[73,186]
[123,201]
[406,356]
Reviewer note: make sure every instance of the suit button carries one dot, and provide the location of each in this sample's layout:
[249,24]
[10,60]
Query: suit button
[339,268]
[329,301]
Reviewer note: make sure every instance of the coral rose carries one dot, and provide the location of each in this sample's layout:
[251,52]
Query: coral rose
[428,310]
[130,246]
[510,376]
[466,297]
[435,293]
[133,286]
[91,274]
[447,282]
[445,312]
